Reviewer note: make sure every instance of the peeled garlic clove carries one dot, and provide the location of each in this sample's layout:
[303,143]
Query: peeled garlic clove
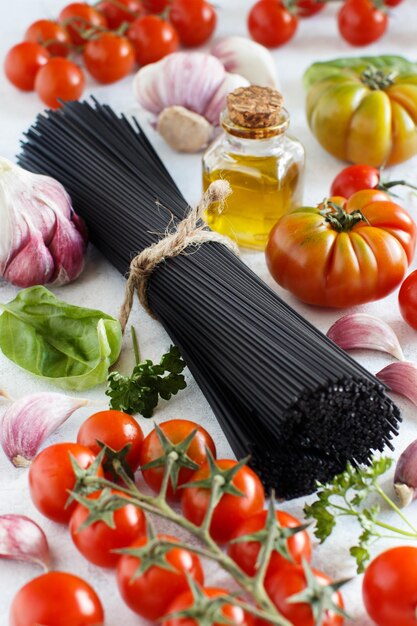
[401,378]
[247,58]
[41,239]
[21,539]
[361,331]
[405,477]
[184,130]
[28,421]
[218,101]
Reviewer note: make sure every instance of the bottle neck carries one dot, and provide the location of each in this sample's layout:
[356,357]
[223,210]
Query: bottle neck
[254,141]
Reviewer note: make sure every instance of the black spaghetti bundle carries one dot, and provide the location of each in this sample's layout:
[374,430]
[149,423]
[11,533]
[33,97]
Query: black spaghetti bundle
[280,389]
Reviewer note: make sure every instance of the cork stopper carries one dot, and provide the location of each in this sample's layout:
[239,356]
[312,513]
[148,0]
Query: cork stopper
[255,107]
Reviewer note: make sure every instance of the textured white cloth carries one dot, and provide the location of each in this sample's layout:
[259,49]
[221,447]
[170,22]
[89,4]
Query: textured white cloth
[102,287]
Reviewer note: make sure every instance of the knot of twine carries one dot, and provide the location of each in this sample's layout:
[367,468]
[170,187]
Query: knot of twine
[188,233]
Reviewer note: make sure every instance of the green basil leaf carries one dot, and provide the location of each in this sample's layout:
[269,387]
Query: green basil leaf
[68,345]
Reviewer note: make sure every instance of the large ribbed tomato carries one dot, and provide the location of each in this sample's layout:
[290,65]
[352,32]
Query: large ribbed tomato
[345,252]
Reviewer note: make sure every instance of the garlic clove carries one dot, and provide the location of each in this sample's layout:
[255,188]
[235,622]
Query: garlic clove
[21,539]
[184,130]
[361,331]
[247,58]
[27,422]
[218,101]
[405,477]
[401,378]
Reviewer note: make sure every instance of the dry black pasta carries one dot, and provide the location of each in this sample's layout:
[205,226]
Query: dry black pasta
[281,390]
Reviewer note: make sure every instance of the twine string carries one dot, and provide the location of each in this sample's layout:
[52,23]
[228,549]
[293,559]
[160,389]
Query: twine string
[188,233]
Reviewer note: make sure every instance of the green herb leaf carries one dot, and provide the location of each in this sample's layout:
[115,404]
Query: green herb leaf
[71,346]
[140,392]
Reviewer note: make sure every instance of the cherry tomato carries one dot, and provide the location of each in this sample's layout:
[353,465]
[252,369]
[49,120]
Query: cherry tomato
[389,587]
[407,299]
[56,38]
[361,22]
[116,430]
[155,6]
[271,24]
[51,476]
[245,554]
[56,599]
[153,38]
[290,581]
[307,8]
[232,510]
[59,78]
[109,57]
[96,541]
[151,593]
[355,178]
[232,613]
[392,3]
[176,431]
[78,17]
[23,62]
[194,21]
[123,11]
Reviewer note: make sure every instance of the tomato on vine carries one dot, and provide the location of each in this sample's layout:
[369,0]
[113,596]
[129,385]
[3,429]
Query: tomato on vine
[117,13]
[194,21]
[51,35]
[358,177]
[78,17]
[153,38]
[307,8]
[271,23]
[361,22]
[109,57]
[23,62]
[59,79]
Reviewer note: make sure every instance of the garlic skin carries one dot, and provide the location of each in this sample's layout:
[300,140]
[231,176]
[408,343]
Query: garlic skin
[42,240]
[401,378]
[194,81]
[247,58]
[27,422]
[405,477]
[361,331]
[21,539]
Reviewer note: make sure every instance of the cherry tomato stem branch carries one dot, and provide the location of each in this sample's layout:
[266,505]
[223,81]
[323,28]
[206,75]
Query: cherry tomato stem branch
[393,183]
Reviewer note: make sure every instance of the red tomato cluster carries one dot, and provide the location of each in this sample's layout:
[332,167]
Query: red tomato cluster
[158,589]
[107,40]
[360,22]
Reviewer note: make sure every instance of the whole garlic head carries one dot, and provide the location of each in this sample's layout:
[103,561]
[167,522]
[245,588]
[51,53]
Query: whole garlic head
[42,240]
[195,81]
[247,58]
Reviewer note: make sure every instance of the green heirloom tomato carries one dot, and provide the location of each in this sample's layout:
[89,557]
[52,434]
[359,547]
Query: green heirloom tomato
[364,109]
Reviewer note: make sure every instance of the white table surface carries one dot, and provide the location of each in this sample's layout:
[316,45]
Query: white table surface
[100,286]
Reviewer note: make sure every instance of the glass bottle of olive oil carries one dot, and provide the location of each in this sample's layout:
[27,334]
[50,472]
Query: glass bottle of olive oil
[263,165]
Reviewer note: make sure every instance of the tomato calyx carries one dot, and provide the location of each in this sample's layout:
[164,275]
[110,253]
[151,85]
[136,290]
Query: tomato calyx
[152,554]
[205,610]
[377,80]
[219,481]
[115,461]
[86,480]
[101,509]
[273,537]
[339,219]
[319,597]
[174,456]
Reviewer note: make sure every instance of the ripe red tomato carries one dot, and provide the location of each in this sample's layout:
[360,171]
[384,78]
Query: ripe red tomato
[389,587]
[115,429]
[51,476]
[151,593]
[392,3]
[122,11]
[96,542]
[59,78]
[56,599]
[78,17]
[23,62]
[290,581]
[245,554]
[44,31]
[155,6]
[109,57]
[361,22]
[233,614]
[153,38]
[271,24]
[407,299]
[194,21]
[176,431]
[355,178]
[307,8]
[232,510]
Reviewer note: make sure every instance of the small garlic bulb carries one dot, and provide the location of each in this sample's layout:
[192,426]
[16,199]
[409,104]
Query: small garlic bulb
[42,240]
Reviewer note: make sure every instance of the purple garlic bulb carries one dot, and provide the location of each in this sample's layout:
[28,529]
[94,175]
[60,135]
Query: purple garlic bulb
[42,240]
